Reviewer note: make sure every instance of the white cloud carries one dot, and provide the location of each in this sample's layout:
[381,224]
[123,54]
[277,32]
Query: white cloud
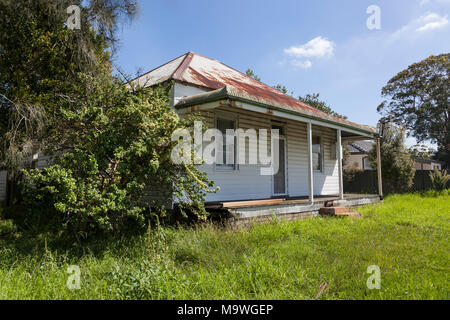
[316,48]
[425,2]
[427,22]
[432,21]
[302,64]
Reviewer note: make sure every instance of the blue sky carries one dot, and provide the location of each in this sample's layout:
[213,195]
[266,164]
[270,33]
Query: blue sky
[309,46]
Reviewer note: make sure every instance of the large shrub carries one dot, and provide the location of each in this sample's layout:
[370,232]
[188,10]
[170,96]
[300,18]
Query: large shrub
[109,144]
[59,200]
[439,179]
[396,164]
[106,141]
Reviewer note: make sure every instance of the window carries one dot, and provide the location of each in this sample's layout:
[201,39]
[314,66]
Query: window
[279,128]
[366,164]
[226,153]
[317,153]
[35,160]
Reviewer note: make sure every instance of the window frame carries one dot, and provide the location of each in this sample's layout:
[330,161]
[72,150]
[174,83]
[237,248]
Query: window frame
[227,116]
[282,136]
[366,164]
[321,153]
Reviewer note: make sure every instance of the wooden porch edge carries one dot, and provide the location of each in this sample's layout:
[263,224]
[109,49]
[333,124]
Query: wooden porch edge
[297,207]
[321,200]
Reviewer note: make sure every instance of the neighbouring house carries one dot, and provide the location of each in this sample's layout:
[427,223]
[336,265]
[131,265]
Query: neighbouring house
[38,161]
[309,143]
[427,164]
[359,158]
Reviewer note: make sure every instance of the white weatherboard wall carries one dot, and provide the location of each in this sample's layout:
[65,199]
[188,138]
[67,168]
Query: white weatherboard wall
[247,182]
[43,161]
[326,182]
[181,91]
[3,176]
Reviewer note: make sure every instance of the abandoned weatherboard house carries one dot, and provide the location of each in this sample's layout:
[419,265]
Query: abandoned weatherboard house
[308,179]
[310,171]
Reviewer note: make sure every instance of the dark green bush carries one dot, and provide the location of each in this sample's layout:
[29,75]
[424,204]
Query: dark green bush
[61,201]
[7,228]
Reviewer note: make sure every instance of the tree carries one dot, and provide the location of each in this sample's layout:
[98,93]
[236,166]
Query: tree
[314,101]
[419,98]
[107,142]
[443,155]
[396,163]
[281,88]
[421,151]
[310,99]
[40,59]
[251,74]
[112,143]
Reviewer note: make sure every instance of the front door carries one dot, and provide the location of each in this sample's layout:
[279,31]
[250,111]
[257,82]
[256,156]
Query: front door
[279,178]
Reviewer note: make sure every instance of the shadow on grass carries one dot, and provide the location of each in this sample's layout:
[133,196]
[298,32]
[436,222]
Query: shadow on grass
[31,242]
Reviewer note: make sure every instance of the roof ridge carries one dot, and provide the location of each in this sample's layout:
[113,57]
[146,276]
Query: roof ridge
[360,147]
[144,74]
[181,69]
[245,75]
[357,147]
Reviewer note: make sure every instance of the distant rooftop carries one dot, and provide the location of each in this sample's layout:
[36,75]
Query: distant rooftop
[360,146]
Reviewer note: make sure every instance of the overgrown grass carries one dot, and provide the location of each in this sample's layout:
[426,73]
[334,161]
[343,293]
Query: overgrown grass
[407,237]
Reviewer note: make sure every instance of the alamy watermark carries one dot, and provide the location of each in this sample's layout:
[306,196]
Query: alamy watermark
[374,281]
[213,147]
[374,20]
[74,20]
[74,279]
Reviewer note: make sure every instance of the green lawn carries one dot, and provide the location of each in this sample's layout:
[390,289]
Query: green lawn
[407,237]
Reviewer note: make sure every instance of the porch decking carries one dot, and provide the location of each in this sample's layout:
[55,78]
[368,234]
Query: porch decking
[289,206]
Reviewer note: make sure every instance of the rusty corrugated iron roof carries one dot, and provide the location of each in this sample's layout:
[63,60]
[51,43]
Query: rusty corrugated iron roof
[210,74]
